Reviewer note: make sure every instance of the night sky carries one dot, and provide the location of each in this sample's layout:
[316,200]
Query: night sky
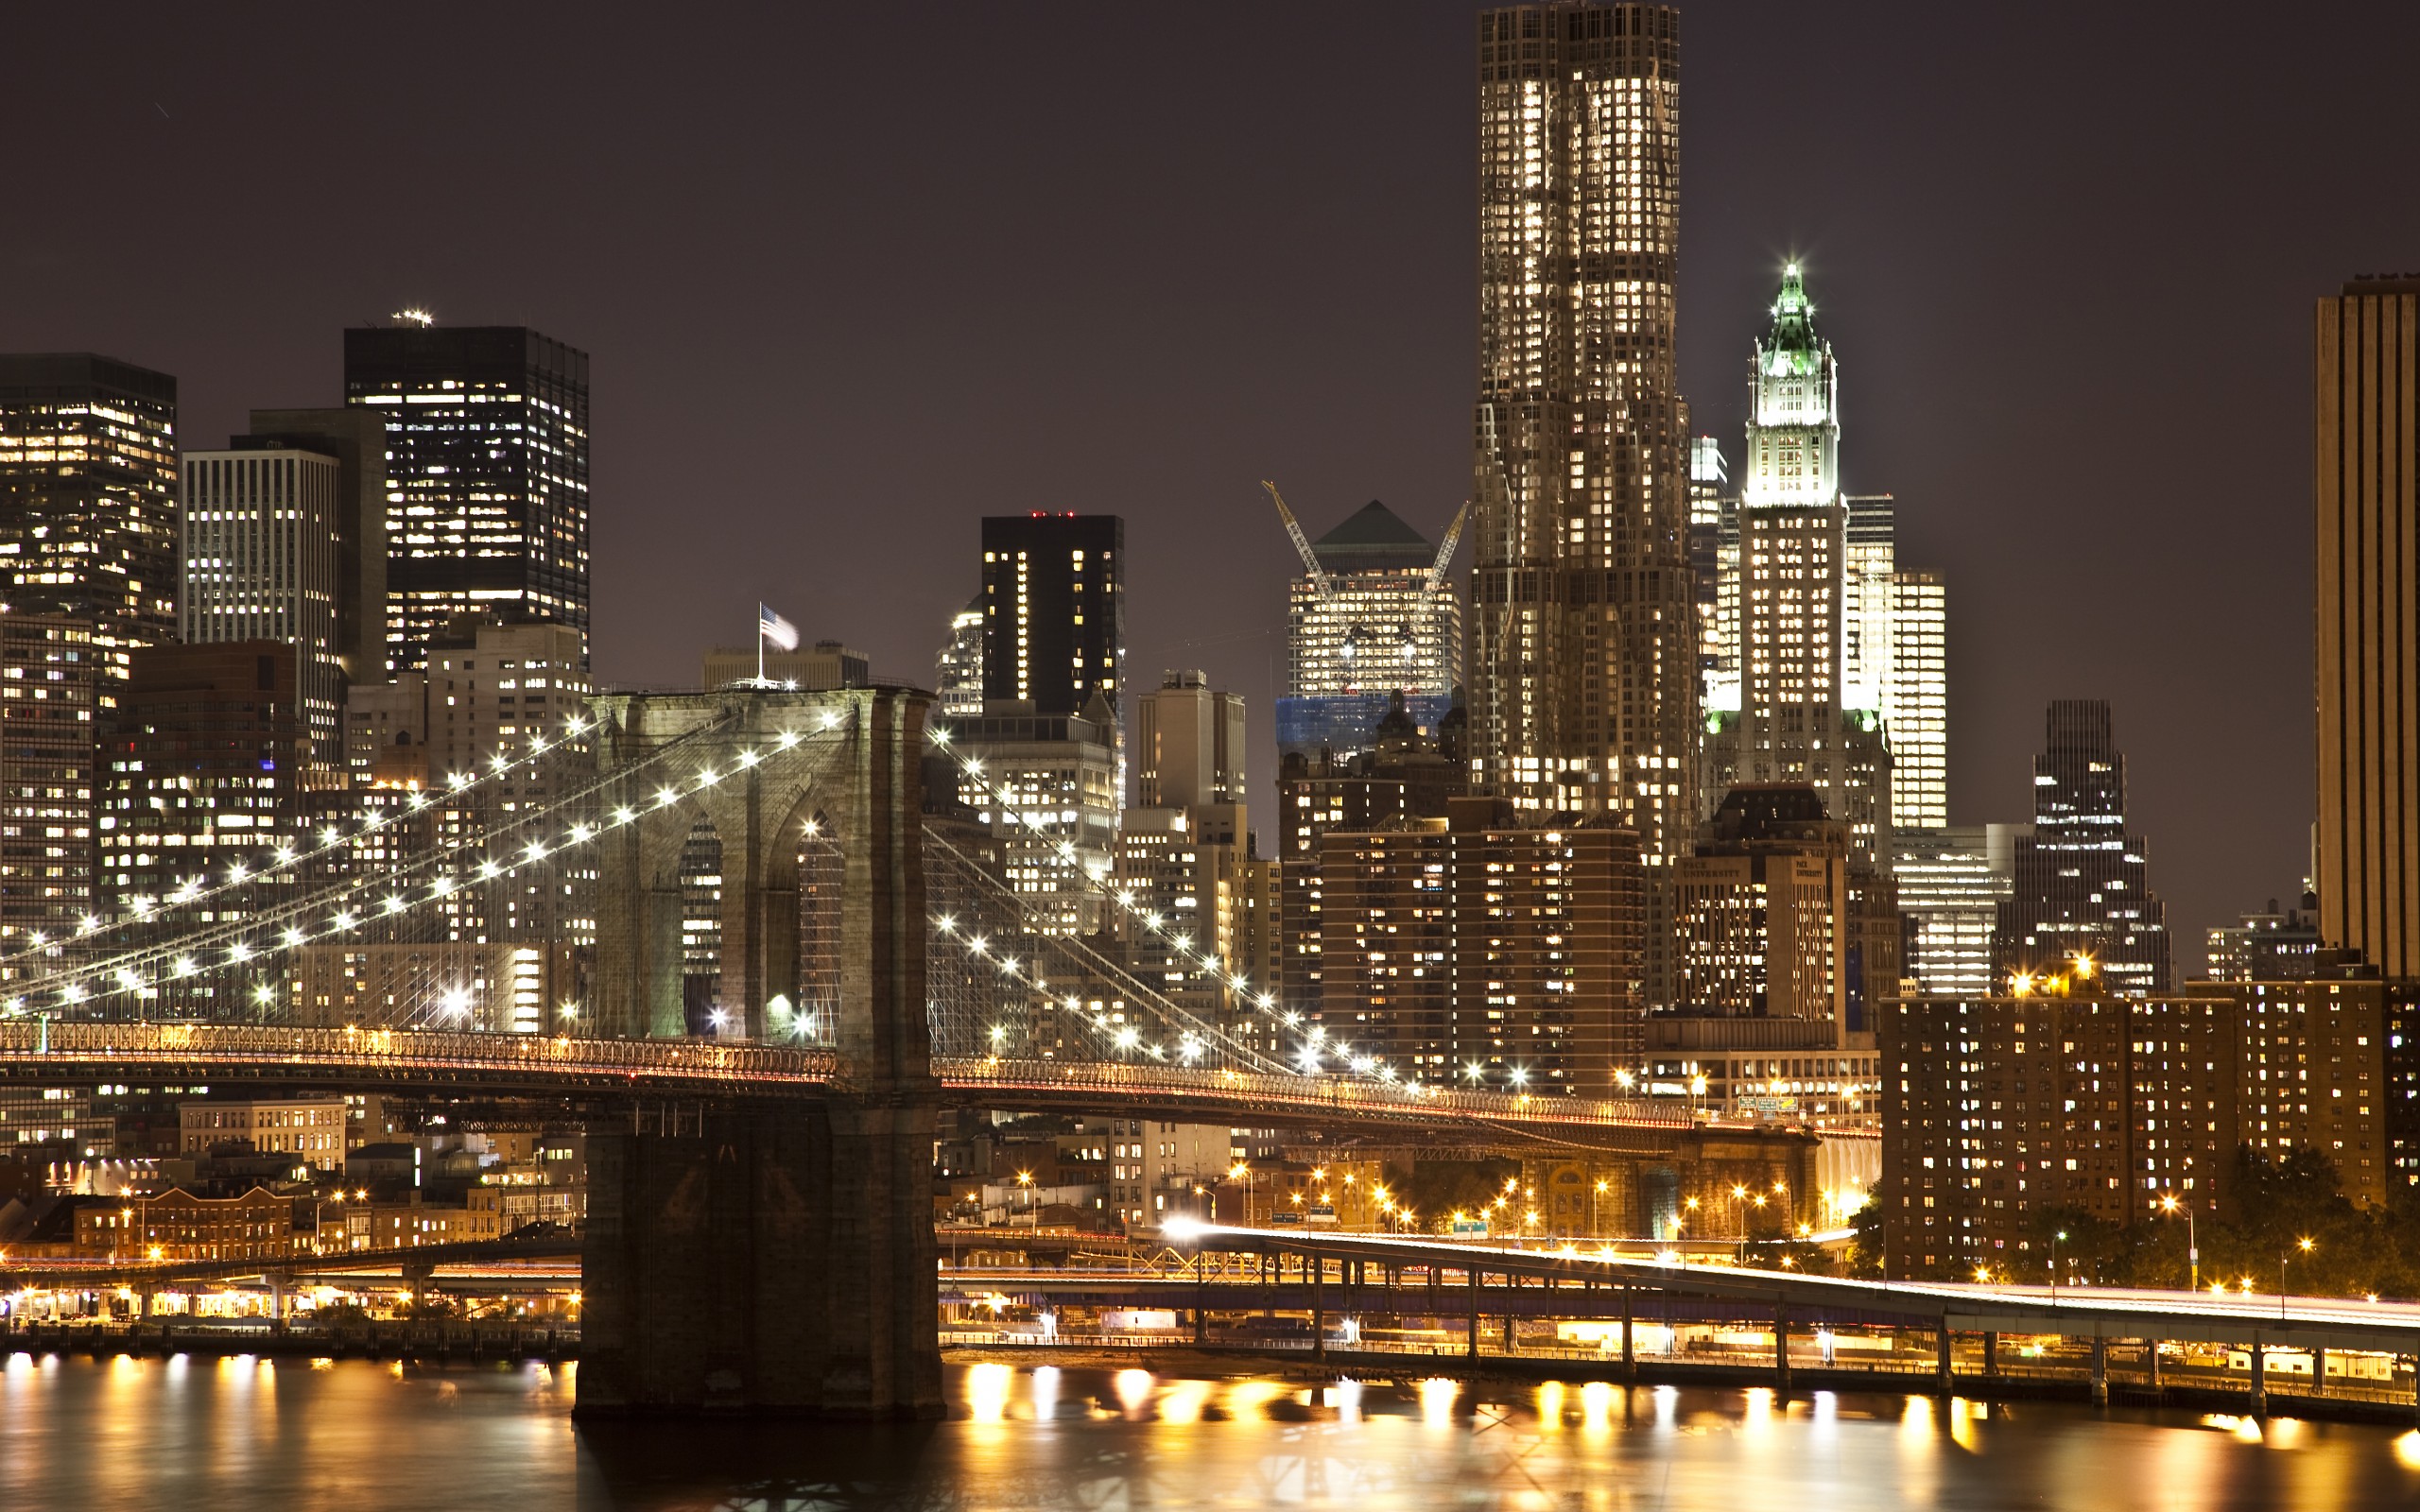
[852,277]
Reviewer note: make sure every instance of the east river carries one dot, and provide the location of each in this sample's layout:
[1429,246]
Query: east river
[194,1433]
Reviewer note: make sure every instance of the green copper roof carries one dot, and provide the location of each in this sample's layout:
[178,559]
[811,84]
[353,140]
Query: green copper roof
[1373,539]
[1792,347]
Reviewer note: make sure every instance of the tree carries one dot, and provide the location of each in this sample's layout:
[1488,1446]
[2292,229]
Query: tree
[1865,1252]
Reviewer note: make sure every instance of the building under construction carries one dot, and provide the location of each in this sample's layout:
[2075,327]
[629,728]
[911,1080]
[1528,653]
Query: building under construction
[1370,616]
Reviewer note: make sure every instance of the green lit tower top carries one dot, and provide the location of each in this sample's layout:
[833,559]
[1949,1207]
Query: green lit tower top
[1794,424]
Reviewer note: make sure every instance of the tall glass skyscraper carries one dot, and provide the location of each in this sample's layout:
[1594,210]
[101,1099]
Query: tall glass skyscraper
[1583,624]
[2366,353]
[487,474]
[88,574]
[1363,628]
[88,497]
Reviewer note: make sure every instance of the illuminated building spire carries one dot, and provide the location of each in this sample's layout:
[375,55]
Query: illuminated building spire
[1794,432]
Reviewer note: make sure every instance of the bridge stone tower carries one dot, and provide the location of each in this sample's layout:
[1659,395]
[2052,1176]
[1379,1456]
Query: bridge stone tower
[745,1257]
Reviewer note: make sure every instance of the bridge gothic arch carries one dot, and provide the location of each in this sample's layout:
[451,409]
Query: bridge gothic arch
[854,769]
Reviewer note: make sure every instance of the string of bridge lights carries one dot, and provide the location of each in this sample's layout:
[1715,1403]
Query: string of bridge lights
[1309,1059]
[99,982]
[332,838]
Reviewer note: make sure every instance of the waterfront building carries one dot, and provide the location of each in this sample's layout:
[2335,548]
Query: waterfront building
[52,693]
[2366,454]
[487,474]
[1583,619]
[310,1128]
[285,540]
[1951,882]
[88,498]
[2001,1112]
[1498,948]
[66,1119]
[2081,883]
[1369,620]
[175,1226]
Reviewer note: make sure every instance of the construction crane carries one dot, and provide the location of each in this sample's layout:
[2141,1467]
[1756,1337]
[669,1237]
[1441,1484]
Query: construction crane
[1444,557]
[1301,542]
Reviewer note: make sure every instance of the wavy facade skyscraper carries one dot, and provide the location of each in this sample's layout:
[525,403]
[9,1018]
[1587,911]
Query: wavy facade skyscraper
[1582,663]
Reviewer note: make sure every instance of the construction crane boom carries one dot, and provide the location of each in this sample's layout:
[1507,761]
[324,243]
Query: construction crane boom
[1301,542]
[1445,557]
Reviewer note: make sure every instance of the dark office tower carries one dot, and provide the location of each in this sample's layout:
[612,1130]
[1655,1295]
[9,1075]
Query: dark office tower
[2081,884]
[1054,609]
[1582,626]
[2366,472]
[487,474]
[88,498]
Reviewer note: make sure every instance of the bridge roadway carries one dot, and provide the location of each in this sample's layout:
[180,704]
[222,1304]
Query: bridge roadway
[561,1065]
[1327,1274]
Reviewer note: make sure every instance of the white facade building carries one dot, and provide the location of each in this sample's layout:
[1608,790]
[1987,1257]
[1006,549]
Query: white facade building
[264,562]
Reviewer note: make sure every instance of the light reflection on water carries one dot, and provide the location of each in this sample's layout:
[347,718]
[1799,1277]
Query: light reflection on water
[353,1438]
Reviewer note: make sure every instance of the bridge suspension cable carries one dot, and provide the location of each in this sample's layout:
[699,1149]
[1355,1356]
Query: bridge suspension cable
[247,941]
[1314,1049]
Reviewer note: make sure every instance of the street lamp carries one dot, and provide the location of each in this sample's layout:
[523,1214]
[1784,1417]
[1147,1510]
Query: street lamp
[2054,1266]
[1596,1228]
[2192,1241]
[1025,1189]
[2305,1247]
[1244,1172]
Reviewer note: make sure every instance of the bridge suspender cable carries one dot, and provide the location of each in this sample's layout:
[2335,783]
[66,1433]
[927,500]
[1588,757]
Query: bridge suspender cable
[1314,1047]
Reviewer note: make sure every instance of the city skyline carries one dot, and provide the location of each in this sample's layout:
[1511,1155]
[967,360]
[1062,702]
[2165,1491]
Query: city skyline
[1371,397]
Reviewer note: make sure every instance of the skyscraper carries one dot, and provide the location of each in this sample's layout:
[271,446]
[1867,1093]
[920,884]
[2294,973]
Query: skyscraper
[283,541]
[958,672]
[203,768]
[487,474]
[88,497]
[2365,458]
[1915,700]
[1813,595]
[50,691]
[1714,564]
[1951,883]
[1188,744]
[2081,884]
[1367,619]
[1583,624]
[1054,614]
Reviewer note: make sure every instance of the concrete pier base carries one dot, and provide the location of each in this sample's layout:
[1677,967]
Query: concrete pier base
[763,1262]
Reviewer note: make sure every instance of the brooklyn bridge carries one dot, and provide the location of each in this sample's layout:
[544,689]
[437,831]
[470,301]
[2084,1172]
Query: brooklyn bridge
[760,1232]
